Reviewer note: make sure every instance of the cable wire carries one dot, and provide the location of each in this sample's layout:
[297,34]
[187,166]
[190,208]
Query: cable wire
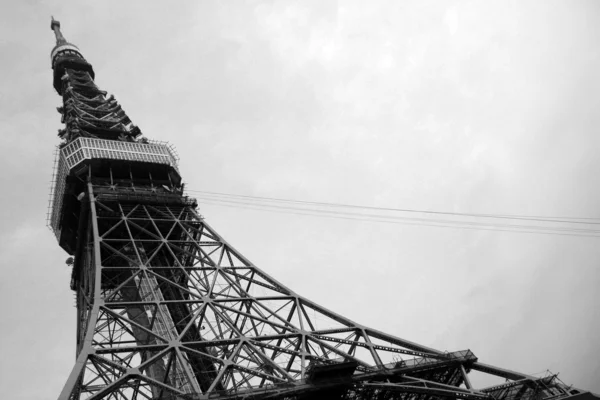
[539,218]
[250,202]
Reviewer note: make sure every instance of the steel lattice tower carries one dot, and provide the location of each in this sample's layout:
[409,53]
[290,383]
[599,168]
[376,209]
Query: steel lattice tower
[167,309]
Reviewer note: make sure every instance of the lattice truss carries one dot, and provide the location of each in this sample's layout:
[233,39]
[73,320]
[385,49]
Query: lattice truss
[167,309]
[87,111]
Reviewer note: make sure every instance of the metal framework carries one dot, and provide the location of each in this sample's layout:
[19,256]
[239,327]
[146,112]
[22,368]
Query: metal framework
[167,309]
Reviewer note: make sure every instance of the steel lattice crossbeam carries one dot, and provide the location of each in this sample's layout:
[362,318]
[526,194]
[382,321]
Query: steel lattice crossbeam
[178,311]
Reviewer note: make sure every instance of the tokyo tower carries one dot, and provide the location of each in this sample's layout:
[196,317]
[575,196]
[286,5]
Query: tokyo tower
[167,309]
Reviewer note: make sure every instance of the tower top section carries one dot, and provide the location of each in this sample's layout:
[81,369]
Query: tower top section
[66,55]
[61,43]
[55,26]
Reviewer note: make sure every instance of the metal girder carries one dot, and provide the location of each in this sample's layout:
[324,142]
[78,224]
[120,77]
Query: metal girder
[175,309]
[456,393]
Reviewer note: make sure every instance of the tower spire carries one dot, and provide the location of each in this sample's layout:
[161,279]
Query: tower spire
[65,56]
[55,26]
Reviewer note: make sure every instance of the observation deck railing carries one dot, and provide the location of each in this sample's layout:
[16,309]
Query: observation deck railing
[82,149]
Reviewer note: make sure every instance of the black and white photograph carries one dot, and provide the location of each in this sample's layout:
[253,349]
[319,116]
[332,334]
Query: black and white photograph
[296,200]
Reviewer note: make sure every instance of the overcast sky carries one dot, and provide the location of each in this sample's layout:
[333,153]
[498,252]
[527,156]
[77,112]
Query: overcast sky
[473,106]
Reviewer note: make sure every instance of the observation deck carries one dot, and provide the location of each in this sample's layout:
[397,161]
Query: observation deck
[84,154]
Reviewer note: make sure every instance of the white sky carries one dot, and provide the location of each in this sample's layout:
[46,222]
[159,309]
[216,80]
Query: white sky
[473,106]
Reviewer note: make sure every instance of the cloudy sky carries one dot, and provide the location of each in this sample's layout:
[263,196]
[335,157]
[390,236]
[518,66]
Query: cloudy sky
[462,106]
